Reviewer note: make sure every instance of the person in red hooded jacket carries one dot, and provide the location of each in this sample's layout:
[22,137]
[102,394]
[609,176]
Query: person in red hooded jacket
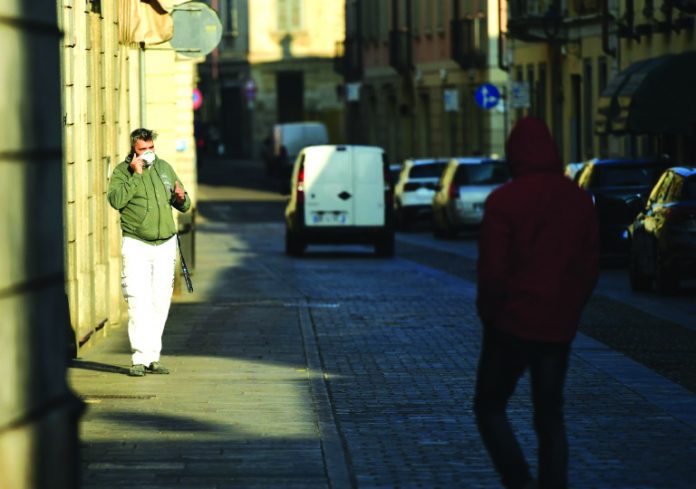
[538,264]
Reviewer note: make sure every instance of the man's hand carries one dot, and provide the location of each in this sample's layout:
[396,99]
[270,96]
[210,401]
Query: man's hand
[179,194]
[137,164]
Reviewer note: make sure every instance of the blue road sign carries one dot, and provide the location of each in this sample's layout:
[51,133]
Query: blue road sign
[487,96]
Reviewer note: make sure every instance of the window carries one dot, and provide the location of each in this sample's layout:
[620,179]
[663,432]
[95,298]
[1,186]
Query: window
[427,170]
[402,14]
[289,15]
[624,176]
[428,17]
[689,189]
[587,108]
[440,16]
[531,84]
[415,17]
[486,173]
[382,20]
[602,80]
[540,98]
[231,18]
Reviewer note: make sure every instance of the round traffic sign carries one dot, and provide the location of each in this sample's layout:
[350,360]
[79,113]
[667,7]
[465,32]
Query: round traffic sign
[487,96]
[197,99]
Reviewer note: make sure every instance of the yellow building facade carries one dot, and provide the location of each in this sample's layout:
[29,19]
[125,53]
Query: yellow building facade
[291,51]
[420,65]
[571,63]
[111,87]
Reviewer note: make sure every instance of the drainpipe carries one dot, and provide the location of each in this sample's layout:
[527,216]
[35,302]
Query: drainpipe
[605,30]
[501,44]
[143,105]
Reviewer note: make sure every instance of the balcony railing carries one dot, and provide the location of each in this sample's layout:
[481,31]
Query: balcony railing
[521,10]
[537,20]
[466,42]
[401,51]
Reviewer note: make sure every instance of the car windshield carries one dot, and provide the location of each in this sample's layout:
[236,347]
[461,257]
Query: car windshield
[689,189]
[486,173]
[427,170]
[625,176]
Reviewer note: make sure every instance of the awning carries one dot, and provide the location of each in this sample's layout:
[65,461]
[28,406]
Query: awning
[146,21]
[653,96]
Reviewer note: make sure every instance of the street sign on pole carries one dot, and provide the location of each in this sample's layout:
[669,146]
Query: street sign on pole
[487,96]
[197,29]
[250,90]
[353,92]
[451,100]
[197,99]
[519,95]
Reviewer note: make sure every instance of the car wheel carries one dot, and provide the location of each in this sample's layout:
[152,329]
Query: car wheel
[384,247]
[640,282]
[294,244]
[666,280]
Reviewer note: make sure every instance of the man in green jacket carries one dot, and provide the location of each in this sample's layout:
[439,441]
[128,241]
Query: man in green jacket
[144,188]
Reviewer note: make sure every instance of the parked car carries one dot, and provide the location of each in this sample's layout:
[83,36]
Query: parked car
[285,143]
[340,194]
[663,235]
[413,193]
[394,172]
[574,170]
[619,188]
[462,191]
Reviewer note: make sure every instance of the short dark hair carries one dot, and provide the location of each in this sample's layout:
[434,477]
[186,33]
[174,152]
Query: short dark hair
[142,134]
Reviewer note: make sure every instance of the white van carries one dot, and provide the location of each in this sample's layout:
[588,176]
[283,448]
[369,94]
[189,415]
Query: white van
[340,194]
[286,142]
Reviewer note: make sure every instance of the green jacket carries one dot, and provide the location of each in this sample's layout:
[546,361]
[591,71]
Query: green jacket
[145,200]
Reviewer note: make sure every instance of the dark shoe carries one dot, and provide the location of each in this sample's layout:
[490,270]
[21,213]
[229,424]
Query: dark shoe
[137,370]
[157,368]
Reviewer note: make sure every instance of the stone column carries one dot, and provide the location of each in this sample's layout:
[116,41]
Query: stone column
[38,414]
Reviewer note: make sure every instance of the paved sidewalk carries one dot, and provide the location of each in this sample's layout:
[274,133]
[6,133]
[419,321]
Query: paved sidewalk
[342,370]
[238,409]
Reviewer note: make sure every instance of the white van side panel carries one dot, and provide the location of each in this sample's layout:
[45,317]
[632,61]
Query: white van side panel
[368,175]
[328,173]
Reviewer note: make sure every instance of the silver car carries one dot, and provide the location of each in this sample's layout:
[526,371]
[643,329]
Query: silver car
[462,191]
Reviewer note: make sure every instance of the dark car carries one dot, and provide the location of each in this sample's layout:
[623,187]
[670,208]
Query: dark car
[619,188]
[663,235]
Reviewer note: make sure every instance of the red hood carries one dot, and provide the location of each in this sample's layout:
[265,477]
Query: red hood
[531,149]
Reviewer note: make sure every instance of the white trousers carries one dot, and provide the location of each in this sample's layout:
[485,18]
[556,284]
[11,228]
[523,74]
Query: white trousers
[147,281]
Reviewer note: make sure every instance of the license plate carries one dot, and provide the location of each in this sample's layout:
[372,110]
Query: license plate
[329,217]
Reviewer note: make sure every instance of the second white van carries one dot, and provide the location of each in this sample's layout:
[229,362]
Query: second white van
[340,194]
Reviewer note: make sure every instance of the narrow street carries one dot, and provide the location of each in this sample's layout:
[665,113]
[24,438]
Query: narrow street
[340,369]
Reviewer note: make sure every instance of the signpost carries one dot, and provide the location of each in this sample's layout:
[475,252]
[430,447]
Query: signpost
[197,29]
[487,96]
[451,100]
[250,92]
[519,95]
[197,99]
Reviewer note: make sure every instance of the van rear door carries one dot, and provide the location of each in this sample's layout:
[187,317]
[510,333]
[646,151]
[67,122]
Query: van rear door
[368,175]
[328,180]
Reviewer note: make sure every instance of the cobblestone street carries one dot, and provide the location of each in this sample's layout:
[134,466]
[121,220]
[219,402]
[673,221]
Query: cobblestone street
[344,370]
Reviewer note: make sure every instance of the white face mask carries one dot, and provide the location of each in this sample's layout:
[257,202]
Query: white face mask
[148,157]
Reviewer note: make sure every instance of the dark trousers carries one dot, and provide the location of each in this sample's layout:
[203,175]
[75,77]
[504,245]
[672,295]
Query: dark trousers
[504,359]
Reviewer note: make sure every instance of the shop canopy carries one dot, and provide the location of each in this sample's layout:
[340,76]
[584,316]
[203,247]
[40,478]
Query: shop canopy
[653,96]
[146,21]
